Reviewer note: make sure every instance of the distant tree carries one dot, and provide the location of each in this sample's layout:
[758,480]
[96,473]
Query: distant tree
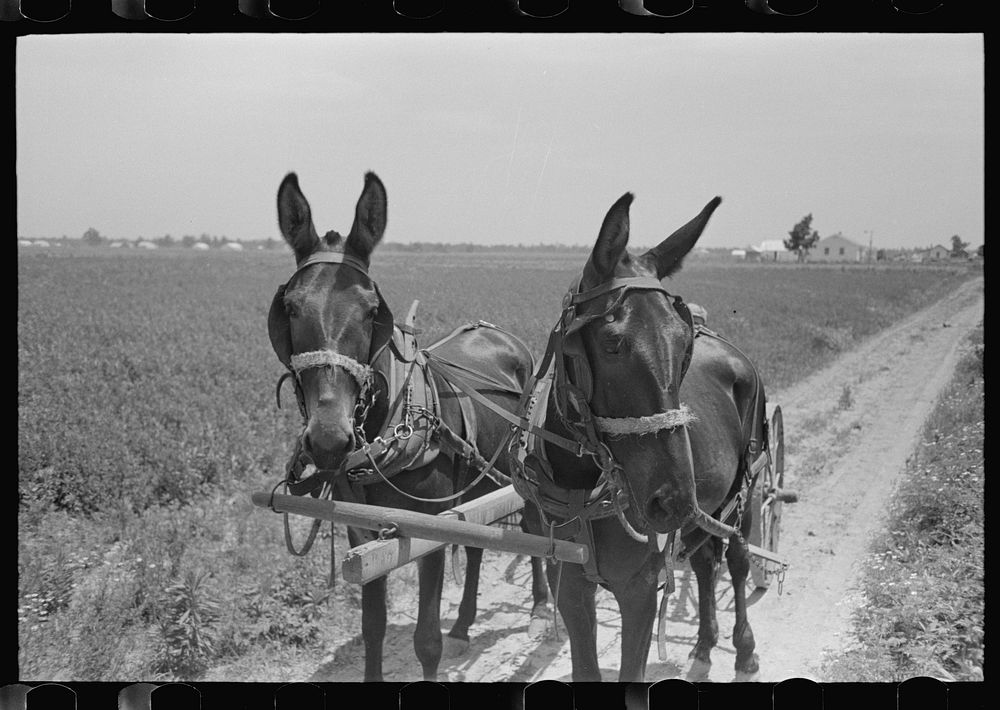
[957,245]
[165,241]
[801,239]
[188,240]
[92,237]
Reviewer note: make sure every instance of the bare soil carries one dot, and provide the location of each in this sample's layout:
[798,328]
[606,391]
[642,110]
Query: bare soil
[849,430]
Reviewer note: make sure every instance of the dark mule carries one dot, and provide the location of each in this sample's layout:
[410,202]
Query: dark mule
[667,424]
[331,327]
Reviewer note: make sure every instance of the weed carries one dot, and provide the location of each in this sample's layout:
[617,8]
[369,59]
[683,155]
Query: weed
[188,629]
[925,578]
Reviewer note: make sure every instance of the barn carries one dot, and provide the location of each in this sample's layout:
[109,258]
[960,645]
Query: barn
[147,245]
[774,250]
[233,246]
[935,253]
[836,247]
[199,245]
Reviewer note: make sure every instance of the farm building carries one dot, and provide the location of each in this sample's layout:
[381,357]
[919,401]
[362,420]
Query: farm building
[147,245]
[115,245]
[40,243]
[774,250]
[24,242]
[836,247]
[199,245]
[738,253]
[233,246]
[935,253]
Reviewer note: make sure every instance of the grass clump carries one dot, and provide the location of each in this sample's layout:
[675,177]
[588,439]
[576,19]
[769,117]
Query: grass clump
[924,584]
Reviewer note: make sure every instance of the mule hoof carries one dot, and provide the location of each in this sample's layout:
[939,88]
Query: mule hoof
[453,647]
[539,627]
[698,670]
[744,677]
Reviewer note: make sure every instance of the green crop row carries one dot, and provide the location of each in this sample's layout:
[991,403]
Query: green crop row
[146,417]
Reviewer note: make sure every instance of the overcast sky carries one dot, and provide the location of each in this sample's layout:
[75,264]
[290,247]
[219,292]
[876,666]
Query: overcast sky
[505,138]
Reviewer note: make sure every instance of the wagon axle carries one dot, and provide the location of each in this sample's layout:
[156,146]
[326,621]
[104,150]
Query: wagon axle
[780,495]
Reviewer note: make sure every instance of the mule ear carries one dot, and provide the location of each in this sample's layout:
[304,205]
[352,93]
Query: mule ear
[666,257]
[369,218]
[611,243]
[295,218]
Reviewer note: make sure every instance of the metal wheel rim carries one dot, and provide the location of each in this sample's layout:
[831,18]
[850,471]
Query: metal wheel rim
[766,529]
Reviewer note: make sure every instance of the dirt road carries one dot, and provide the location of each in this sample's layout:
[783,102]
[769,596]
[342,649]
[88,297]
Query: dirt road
[844,462]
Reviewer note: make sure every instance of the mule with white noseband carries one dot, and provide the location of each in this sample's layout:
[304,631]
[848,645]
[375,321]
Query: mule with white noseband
[320,482]
[574,389]
[413,430]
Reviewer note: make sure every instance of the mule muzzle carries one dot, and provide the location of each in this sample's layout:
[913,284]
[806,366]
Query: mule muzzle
[327,446]
[668,510]
[667,514]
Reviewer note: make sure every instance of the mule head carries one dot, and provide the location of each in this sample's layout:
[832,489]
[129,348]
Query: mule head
[329,321]
[638,342]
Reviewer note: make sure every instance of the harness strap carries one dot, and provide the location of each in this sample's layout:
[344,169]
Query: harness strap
[520,422]
[443,499]
[750,462]
[477,377]
[638,282]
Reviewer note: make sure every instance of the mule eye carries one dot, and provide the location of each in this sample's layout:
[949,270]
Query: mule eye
[291,310]
[372,313]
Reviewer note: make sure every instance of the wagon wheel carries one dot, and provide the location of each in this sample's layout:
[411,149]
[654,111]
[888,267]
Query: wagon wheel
[766,506]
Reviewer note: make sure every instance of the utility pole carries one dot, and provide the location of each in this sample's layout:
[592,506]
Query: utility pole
[870,235]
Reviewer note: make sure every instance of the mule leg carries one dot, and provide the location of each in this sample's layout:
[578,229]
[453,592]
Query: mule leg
[738,559]
[637,603]
[540,614]
[467,609]
[579,613]
[427,637]
[705,563]
[373,615]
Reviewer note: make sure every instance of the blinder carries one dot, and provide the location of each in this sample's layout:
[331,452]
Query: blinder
[574,358]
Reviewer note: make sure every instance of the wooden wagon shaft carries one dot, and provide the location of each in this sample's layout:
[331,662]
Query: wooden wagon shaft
[374,559]
[432,527]
[766,554]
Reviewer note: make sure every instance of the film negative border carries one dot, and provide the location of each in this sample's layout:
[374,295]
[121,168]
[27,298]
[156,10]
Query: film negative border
[27,16]
[491,15]
[792,694]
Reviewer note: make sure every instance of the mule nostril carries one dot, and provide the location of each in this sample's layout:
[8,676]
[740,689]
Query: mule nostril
[654,511]
[327,445]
